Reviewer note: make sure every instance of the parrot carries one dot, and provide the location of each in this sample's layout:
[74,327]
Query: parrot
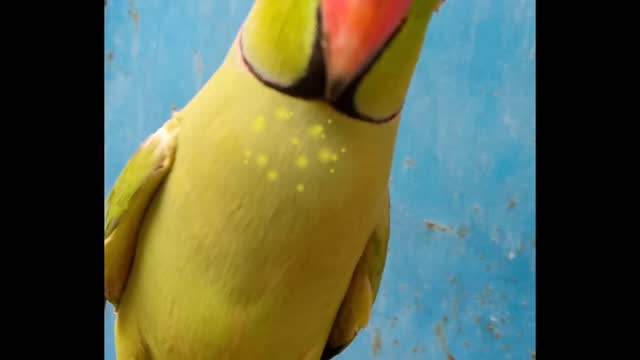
[254,223]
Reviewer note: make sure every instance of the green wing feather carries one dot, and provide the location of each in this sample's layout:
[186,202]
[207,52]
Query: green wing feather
[127,202]
[356,307]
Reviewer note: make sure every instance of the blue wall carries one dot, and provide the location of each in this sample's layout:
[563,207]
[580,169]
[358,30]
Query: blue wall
[461,271]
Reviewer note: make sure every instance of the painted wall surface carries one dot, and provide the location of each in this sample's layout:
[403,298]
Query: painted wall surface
[460,280]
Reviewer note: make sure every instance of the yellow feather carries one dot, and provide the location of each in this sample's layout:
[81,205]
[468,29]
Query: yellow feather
[228,251]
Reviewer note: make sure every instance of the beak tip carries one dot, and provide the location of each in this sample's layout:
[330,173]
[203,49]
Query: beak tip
[335,88]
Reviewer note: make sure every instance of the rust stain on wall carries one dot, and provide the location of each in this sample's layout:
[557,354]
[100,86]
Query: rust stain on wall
[443,341]
[133,12]
[463,232]
[435,226]
[409,162]
[377,342]
[492,328]
[512,202]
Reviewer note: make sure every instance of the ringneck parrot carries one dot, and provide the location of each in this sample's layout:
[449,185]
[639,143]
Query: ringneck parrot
[254,223]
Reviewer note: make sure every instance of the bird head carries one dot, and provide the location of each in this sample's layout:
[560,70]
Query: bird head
[357,55]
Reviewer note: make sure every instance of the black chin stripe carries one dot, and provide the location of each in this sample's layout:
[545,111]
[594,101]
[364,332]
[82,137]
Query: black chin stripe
[312,85]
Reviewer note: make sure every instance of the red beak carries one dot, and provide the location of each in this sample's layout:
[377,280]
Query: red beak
[354,31]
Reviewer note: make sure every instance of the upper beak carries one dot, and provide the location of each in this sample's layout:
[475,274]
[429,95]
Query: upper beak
[354,31]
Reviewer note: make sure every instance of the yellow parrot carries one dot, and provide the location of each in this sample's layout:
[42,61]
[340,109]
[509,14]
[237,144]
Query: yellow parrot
[254,223]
